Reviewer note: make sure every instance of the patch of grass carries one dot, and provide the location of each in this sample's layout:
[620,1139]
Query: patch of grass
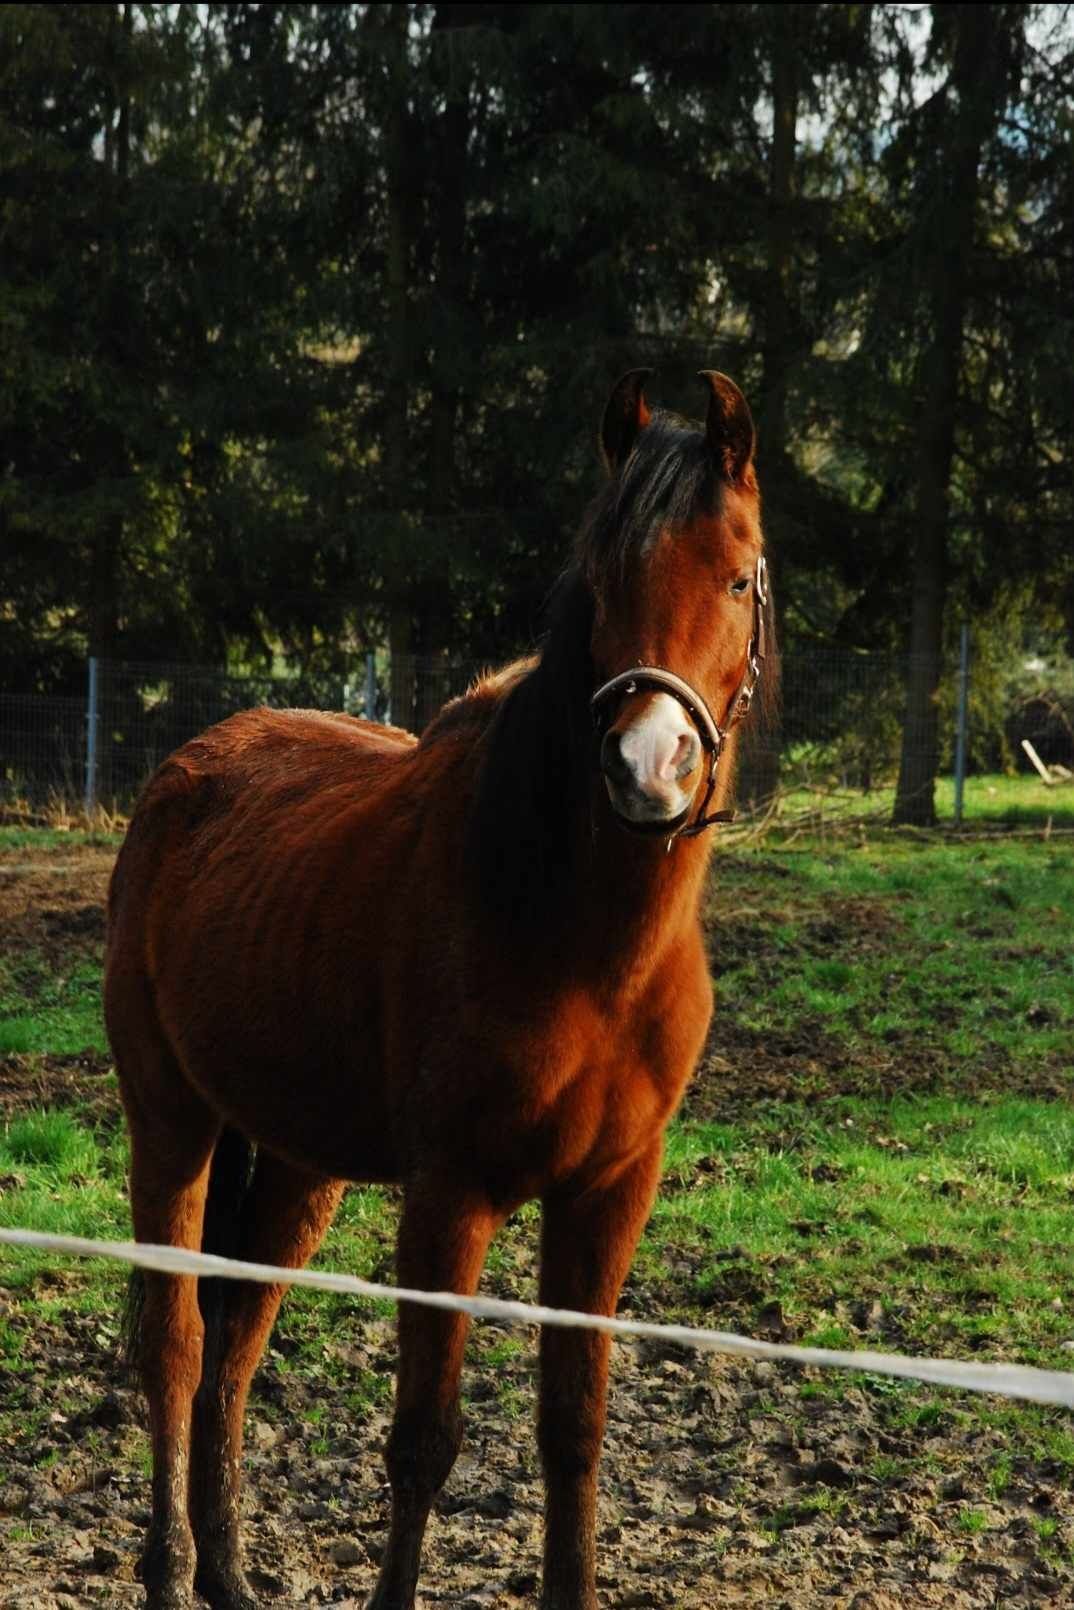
[828,1387]
[944,955]
[859,1202]
[972,1522]
[999,1477]
[512,1402]
[47,840]
[990,799]
[824,1501]
[12,1339]
[42,1010]
[885,1468]
[53,1140]
[502,1352]
[65,1178]
[368,1390]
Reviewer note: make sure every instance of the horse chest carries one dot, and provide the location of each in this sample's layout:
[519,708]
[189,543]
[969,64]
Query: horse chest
[583,1090]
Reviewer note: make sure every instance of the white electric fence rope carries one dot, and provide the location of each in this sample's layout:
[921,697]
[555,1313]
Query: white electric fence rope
[1006,1380]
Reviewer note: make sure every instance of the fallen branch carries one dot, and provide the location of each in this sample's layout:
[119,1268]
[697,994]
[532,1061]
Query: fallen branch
[1052,776]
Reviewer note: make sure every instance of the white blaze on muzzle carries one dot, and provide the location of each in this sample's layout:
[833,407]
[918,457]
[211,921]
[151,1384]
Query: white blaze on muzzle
[660,747]
[659,750]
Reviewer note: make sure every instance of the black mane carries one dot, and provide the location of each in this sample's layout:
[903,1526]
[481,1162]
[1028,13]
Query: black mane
[535,770]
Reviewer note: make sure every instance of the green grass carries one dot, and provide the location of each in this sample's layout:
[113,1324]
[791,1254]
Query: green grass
[59,1174]
[954,1217]
[992,800]
[46,840]
[45,1011]
[961,952]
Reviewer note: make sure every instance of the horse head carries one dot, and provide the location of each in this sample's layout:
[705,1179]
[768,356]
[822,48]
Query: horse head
[673,553]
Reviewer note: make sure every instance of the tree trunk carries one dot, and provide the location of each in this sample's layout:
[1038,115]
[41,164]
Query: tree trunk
[976,81]
[107,538]
[398,582]
[759,762]
[103,621]
[452,75]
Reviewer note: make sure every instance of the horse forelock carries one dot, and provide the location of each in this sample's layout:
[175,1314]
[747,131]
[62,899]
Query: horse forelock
[668,481]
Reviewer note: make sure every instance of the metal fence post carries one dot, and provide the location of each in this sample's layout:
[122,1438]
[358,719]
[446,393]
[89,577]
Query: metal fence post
[963,717]
[370,687]
[91,737]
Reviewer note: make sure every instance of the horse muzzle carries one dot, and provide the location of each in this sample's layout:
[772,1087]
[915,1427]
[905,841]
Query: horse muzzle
[651,764]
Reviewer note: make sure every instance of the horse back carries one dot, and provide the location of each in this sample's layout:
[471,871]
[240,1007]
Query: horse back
[246,780]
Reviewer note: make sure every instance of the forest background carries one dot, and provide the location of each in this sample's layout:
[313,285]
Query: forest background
[307,314]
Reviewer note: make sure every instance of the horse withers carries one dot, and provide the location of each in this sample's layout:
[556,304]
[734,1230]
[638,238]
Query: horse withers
[471,964]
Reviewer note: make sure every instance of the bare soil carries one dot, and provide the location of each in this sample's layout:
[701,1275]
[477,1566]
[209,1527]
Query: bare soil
[722,1485]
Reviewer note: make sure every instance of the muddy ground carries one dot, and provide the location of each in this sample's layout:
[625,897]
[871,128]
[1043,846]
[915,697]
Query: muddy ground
[722,1485]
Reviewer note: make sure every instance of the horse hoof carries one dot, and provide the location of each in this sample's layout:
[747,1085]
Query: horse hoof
[379,1599]
[230,1592]
[169,1599]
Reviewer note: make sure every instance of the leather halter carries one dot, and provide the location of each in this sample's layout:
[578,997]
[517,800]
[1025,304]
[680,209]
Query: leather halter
[712,735]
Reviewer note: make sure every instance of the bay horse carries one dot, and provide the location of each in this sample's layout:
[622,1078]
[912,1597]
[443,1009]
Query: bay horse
[471,964]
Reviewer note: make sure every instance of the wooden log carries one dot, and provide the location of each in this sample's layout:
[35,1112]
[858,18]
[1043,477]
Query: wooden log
[1045,774]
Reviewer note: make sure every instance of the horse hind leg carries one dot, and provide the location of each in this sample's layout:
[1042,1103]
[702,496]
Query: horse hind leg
[173,1134]
[282,1220]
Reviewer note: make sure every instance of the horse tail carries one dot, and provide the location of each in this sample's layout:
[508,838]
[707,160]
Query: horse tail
[230,1176]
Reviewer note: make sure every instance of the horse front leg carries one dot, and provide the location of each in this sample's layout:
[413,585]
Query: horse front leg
[587,1243]
[443,1238]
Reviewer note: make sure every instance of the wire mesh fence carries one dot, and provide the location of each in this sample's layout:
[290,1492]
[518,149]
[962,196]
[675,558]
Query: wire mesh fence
[100,749]
[143,712]
[840,722]
[42,747]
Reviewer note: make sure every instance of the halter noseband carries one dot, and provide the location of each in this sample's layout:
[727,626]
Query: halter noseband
[712,735]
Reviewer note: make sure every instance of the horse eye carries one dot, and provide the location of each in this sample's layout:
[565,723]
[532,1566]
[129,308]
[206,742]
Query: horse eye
[740,586]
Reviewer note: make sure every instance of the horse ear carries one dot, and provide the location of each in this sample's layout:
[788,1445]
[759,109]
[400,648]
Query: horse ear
[625,415]
[729,426]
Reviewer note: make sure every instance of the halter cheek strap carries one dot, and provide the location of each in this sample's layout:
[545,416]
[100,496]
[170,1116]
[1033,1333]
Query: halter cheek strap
[712,735]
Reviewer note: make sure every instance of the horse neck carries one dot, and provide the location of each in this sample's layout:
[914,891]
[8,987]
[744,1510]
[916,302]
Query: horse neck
[555,869]
[642,895]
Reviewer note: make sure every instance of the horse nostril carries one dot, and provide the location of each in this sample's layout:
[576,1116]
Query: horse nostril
[612,761]
[687,755]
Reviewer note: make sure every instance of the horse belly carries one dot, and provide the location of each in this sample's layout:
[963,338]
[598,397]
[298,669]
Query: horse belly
[280,1039]
[327,1114]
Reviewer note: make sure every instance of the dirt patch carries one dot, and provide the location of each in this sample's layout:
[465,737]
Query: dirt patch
[54,905]
[721,1486]
[736,931]
[744,1068]
[30,1082]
